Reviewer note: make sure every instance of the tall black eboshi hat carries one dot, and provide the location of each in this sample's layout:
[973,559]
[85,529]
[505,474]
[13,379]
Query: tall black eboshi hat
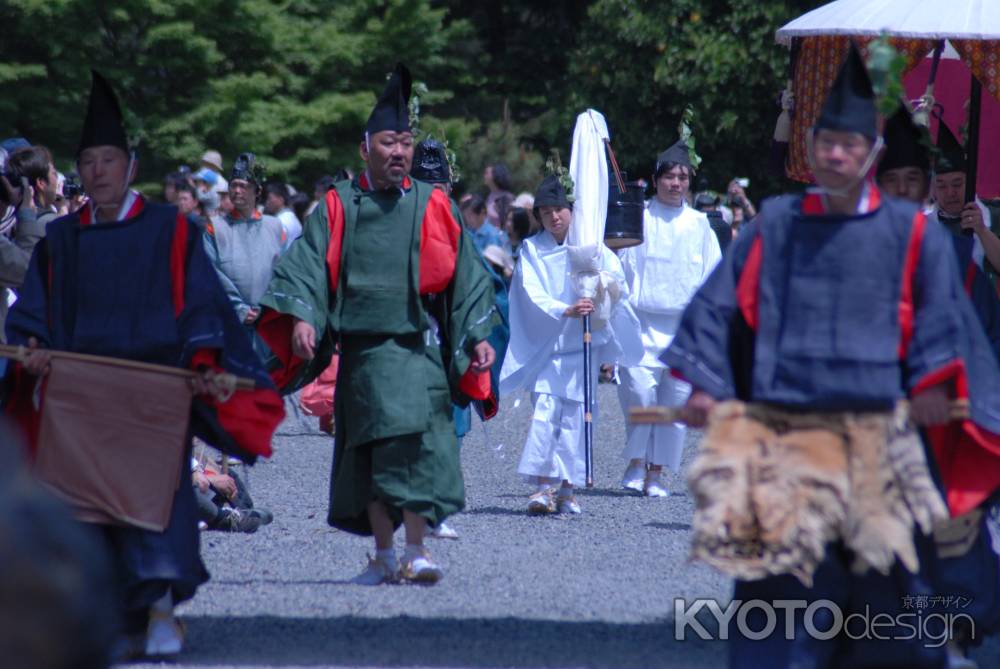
[905,143]
[392,111]
[850,105]
[104,124]
[951,153]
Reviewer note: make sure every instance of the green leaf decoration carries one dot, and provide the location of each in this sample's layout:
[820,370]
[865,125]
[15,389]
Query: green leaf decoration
[885,67]
[418,91]
[554,167]
[684,130]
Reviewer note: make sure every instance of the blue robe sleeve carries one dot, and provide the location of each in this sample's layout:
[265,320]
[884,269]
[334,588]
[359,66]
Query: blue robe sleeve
[701,351]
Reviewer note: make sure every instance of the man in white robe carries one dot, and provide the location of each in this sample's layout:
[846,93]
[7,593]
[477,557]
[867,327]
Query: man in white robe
[545,353]
[678,253]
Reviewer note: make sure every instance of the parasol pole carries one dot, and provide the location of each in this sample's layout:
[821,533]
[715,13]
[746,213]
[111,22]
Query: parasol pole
[975,108]
[935,61]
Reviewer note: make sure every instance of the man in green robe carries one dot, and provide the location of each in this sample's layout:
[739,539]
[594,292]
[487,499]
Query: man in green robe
[384,273]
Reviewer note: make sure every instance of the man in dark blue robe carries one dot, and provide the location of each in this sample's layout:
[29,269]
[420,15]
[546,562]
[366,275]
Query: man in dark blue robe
[842,302]
[127,278]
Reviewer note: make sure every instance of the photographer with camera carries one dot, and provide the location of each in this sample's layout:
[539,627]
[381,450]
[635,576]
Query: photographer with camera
[29,187]
[737,200]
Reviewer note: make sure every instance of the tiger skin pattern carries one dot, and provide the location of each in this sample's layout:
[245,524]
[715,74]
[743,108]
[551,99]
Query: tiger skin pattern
[773,488]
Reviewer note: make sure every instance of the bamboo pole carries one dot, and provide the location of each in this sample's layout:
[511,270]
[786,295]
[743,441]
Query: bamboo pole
[20,354]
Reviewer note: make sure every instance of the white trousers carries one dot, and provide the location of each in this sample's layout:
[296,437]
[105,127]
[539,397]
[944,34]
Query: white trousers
[554,448]
[645,387]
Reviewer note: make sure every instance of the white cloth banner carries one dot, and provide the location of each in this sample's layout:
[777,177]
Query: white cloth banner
[589,169]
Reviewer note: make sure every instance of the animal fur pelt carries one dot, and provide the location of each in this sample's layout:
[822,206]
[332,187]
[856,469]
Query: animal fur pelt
[772,488]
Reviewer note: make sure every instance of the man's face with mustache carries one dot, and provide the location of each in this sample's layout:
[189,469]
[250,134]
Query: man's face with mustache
[389,156]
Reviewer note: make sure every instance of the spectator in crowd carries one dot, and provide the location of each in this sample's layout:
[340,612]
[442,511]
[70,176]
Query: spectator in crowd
[245,244]
[518,228]
[497,180]
[322,185]
[225,203]
[300,204]
[31,201]
[737,200]
[277,198]
[224,503]
[212,160]
[187,203]
[526,201]
[35,164]
[205,181]
[170,184]
[473,210]
[709,204]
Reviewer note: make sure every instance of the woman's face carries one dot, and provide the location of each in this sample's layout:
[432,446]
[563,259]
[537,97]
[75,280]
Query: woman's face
[488,177]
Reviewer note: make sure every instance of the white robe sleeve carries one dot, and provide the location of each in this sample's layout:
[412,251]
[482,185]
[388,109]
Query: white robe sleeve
[710,251]
[536,320]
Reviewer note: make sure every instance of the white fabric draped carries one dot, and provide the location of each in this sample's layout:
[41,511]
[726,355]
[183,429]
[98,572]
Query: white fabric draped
[589,169]
[545,353]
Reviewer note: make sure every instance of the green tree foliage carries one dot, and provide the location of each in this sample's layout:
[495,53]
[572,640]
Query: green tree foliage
[294,80]
[643,62]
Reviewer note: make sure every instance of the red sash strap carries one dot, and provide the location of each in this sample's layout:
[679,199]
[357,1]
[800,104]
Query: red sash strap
[906,312]
[970,277]
[747,288]
[178,261]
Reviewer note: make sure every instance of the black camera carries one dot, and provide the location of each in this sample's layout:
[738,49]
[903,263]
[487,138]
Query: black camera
[72,187]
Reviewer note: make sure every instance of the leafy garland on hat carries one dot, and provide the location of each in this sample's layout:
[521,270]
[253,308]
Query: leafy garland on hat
[684,130]
[554,167]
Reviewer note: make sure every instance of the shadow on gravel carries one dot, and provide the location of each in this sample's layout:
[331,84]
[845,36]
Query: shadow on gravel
[494,511]
[441,642]
[606,492]
[670,526]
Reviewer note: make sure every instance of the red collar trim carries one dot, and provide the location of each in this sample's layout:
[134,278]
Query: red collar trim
[138,204]
[813,203]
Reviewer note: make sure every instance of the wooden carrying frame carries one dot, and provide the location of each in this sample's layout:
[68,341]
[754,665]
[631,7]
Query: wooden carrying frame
[112,441]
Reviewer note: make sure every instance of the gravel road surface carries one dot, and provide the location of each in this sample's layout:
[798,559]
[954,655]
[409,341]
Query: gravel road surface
[595,591]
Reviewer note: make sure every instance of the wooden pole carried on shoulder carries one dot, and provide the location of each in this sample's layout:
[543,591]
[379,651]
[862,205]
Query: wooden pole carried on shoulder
[20,354]
[957,410]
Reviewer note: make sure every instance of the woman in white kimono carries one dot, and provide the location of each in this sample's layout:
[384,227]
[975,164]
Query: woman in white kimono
[546,350]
